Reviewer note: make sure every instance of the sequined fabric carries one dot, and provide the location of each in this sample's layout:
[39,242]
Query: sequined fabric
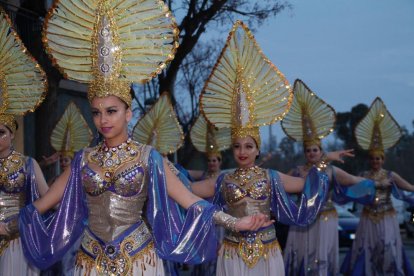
[382,204]
[12,192]
[115,257]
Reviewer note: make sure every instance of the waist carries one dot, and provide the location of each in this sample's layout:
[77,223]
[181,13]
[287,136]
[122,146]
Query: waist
[265,235]
[110,214]
[115,257]
[10,205]
[378,212]
[251,246]
[5,242]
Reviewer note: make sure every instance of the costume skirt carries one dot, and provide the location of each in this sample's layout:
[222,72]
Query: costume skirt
[314,249]
[13,262]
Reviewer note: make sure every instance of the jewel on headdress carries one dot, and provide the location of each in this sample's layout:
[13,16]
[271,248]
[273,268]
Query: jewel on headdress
[160,128]
[378,130]
[309,118]
[209,139]
[71,132]
[245,90]
[110,44]
[22,82]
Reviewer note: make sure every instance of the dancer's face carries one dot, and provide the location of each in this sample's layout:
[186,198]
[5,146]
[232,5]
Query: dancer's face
[111,116]
[313,154]
[65,162]
[376,161]
[245,152]
[6,137]
[213,164]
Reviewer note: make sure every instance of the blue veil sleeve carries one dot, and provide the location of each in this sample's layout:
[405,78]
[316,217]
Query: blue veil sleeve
[401,194]
[46,243]
[362,192]
[306,209]
[188,238]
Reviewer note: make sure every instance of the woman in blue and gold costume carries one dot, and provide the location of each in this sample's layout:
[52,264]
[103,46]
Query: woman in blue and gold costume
[314,249]
[22,88]
[377,248]
[110,44]
[245,91]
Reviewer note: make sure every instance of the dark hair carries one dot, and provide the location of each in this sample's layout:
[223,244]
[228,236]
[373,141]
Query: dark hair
[257,156]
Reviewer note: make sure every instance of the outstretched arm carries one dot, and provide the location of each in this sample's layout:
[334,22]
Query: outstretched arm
[204,188]
[54,194]
[345,178]
[292,184]
[402,183]
[40,179]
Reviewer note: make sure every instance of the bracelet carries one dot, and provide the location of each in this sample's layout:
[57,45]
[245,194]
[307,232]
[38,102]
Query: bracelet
[323,163]
[225,220]
[12,227]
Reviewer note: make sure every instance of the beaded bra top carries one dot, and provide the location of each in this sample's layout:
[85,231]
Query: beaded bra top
[123,171]
[247,187]
[383,187]
[12,173]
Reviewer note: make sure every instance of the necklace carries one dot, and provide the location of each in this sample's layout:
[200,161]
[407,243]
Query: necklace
[379,175]
[110,159]
[244,175]
[212,174]
[10,164]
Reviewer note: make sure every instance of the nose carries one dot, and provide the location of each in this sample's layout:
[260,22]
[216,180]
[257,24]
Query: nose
[103,119]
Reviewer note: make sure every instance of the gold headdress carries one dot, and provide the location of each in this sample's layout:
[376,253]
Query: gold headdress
[209,139]
[309,118]
[71,133]
[160,128]
[110,43]
[23,83]
[245,90]
[378,130]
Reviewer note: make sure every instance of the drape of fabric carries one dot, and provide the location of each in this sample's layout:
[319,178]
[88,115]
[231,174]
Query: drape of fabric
[309,204]
[192,240]
[189,238]
[45,244]
[362,192]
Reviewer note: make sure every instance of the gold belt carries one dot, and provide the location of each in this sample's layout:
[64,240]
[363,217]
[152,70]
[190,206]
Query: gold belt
[115,257]
[377,214]
[5,241]
[251,246]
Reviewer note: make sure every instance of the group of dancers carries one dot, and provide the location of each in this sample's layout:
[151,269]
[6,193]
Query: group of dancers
[121,208]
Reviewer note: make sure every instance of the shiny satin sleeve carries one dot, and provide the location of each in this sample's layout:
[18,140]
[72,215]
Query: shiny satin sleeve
[306,208]
[184,171]
[362,192]
[401,194]
[186,238]
[46,243]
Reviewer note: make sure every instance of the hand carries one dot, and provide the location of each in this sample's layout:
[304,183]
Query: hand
[47,160]
[339,155]
[253,223]
[3,231]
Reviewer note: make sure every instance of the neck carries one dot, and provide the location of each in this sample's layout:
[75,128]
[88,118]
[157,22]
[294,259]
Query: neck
[246,166]
[116,141]
[5,153]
